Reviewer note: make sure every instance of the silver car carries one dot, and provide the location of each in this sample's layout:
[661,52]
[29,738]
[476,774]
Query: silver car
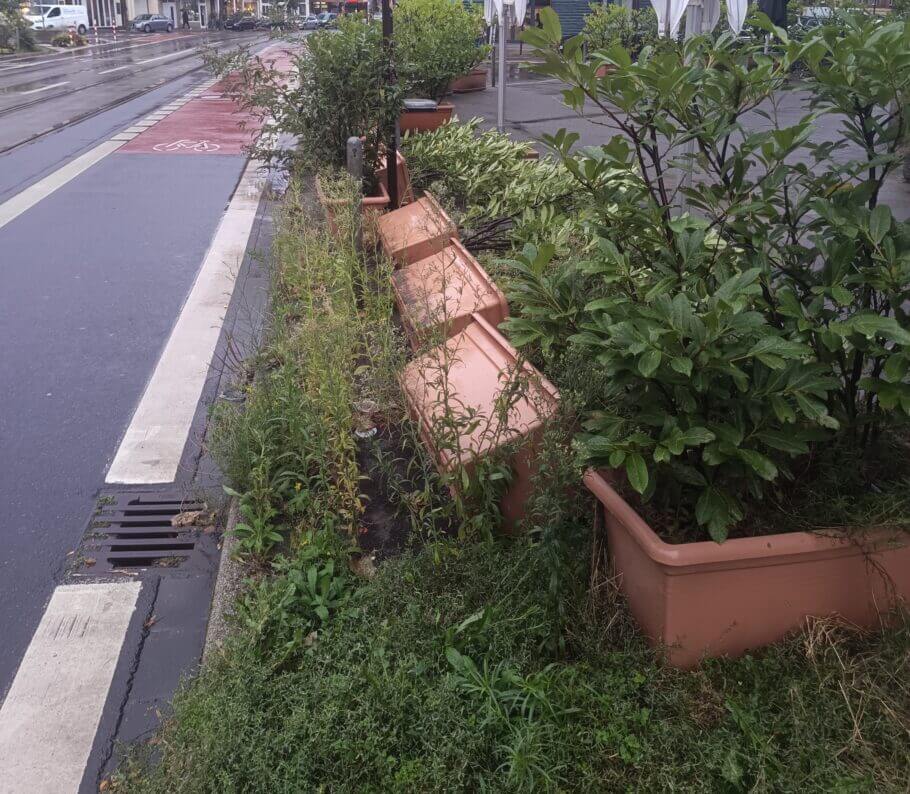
[149,22]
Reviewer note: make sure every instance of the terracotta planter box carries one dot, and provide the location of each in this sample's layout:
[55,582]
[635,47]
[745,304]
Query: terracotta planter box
[425,120]
[604,69]
[709,599]
[475,80]
[369,205]
[415,231]
[478,362]
[436,296]
[405,193]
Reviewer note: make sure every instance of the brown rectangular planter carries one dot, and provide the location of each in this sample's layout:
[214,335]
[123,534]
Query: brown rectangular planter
[369,205]
[437,295]
[475,80]
[724,599]
[405,193]
[478,362]
[415,231]
[425,120]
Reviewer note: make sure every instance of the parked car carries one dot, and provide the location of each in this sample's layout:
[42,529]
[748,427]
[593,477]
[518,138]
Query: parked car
[308,23]
[327,19]
[54,17]
[152,22]
[241,22]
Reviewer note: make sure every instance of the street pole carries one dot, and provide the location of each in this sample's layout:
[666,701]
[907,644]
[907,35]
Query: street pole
[391,145]
[501,93]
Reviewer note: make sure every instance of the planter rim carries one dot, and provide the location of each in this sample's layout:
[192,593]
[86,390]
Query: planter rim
[366,201]
[482,276]
[777,549]
[488,298]
[440,106]
[447,460]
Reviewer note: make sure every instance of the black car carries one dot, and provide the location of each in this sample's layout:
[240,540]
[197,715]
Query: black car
[327,19]
[241,22]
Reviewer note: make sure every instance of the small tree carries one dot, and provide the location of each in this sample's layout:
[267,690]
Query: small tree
[773,313]
[435,42]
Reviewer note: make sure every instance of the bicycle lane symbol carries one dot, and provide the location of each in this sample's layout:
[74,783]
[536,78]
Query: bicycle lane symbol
[186,145]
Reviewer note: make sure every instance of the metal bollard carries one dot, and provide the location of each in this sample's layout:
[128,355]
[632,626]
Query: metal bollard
[355,169]
[355,157]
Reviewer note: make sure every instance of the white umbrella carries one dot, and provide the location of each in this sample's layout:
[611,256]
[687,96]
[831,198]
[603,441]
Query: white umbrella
[736,14]
[711,15]
[675,9]
[521,7]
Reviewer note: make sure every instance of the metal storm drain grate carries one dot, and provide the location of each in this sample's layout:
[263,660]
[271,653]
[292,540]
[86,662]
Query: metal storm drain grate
[131,531]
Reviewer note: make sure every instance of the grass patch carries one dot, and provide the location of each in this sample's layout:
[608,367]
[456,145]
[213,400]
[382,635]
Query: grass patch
[431,679]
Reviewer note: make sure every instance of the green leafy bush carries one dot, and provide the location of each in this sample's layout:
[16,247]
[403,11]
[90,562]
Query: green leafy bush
[495,192]
[607,25]
[435,42]
[336,89]
[770,316]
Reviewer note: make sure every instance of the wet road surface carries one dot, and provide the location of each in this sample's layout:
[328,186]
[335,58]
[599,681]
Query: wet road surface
[44,92]
[95,279]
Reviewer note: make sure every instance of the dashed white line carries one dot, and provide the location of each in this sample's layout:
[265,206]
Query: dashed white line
[44,88]
[116,69]
[166,55]
[49,718]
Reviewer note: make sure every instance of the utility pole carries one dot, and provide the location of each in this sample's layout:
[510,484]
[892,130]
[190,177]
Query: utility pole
[391,145]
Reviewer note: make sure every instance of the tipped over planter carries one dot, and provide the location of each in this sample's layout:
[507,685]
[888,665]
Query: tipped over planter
[708,599]
[405,193]
[475,366]
[438,295]
[415,231]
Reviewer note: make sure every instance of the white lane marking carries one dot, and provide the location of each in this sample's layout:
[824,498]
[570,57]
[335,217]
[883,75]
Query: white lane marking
[124,136]
[44,88]
[28,198]
[153,443]
[116,69]
[50,716]
[167,55]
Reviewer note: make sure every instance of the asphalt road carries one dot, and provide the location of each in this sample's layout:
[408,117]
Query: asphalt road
[92,279]
[43,92]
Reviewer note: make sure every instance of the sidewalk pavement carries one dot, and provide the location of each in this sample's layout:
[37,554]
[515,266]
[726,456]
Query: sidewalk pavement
[534,108]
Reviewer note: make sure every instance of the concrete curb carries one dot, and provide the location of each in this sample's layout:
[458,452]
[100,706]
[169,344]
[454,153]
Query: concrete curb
[228,583]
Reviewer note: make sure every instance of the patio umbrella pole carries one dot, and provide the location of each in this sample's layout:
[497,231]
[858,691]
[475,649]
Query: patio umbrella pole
[501,94]
[391,145]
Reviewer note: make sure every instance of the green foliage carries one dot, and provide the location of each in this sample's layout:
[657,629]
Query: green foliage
[428,678]
[772,314]
[15,31]
[337,89]
[608,25]
[69,39]
[288,449]
[435,42]
[494,191]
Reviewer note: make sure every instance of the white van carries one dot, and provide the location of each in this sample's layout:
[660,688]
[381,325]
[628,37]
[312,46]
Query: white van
[58,17]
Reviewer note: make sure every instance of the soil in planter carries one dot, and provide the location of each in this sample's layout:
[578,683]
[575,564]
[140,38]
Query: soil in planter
[836,489]
[394,489]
